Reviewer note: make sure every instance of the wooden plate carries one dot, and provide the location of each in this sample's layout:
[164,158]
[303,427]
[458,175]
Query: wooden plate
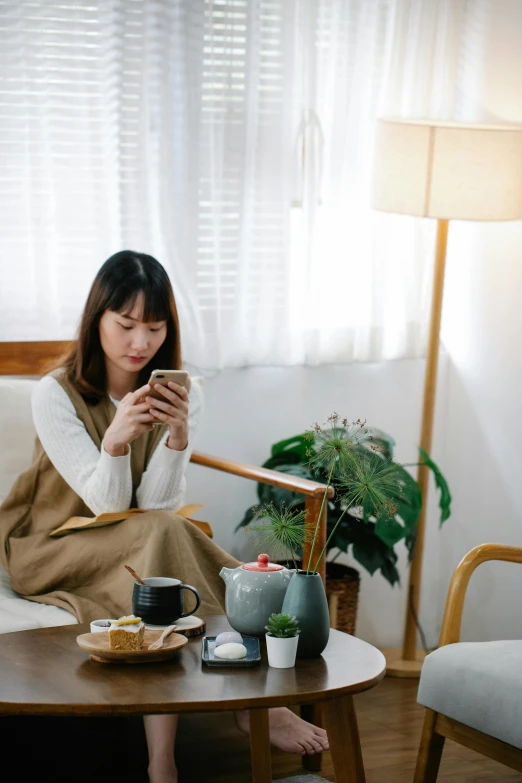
[97,644]
[188,626]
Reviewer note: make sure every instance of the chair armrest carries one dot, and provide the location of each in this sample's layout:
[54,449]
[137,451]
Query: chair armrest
[263,475]
[452,621]
[31,358]
[312,490]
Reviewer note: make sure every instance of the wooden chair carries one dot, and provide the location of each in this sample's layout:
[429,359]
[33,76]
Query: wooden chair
[451,676]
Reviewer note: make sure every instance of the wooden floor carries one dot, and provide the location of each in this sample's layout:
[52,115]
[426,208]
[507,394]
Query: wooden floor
[211,750]
[390,723]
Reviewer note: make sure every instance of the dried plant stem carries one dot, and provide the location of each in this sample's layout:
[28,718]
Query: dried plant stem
[317,525]
[314,571]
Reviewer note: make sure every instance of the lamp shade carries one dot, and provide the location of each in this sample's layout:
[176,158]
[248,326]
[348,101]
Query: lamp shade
[448,170]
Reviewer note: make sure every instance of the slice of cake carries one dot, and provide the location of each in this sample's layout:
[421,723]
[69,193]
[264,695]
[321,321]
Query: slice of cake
[127,633]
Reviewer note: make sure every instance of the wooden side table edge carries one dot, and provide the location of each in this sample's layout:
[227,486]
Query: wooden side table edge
[121,710]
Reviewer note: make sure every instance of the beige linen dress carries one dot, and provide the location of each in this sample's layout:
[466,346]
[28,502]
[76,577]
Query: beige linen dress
[83,571]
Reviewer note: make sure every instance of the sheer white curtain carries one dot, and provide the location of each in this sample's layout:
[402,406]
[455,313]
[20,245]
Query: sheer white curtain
[233,140]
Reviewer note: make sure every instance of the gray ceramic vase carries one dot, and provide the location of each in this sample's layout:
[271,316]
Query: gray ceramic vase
[306,600]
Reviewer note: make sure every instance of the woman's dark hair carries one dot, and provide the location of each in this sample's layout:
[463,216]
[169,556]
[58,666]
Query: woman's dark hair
[116,287]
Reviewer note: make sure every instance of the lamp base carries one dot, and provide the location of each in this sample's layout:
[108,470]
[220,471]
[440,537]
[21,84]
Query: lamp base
[397,666]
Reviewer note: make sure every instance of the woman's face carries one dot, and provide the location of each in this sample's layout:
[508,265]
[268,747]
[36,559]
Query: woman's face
[128,342]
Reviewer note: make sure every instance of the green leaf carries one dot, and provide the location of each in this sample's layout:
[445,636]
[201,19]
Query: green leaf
[279,495]
[408,498]
[298,444]
[284,458]
[410,541]
[442,485]
[282,625]
[384,442]
[369,558]
[389,571]
[371,552]
[342,539]
[390,531]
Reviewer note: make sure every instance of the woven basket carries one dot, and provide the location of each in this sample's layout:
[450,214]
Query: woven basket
[342,592]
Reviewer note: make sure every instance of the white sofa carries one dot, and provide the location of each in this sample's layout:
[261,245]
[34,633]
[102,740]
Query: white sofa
[17,435]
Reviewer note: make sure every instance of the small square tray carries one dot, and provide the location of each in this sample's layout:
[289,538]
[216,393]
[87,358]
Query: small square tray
[252,657]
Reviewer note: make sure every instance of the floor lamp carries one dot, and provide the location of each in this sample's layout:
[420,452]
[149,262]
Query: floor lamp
[447,171]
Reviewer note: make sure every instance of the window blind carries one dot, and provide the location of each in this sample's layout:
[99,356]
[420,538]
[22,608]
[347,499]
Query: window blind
[233,140]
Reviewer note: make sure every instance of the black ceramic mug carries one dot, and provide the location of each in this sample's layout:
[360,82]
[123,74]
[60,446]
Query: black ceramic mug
[160,601]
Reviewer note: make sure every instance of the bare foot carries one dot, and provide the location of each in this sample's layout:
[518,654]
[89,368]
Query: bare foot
[288,731]
[162,774]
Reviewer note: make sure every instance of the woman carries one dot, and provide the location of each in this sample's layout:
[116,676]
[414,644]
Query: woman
[97,450]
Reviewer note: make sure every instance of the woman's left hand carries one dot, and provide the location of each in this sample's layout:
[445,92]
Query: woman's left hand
[172,411]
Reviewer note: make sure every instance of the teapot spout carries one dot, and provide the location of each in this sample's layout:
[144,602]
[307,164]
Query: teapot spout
[225,573]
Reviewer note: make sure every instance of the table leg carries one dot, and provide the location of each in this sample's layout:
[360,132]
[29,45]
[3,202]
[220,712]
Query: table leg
[312,713]
[260,756]
[343,737]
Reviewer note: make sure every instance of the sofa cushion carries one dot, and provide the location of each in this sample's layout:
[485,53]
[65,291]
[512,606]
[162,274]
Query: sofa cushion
[478,684]
[17,435]
[19,614]
[17,432]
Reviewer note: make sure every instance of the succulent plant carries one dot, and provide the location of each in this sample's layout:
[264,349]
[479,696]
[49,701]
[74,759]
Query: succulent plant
[282,625]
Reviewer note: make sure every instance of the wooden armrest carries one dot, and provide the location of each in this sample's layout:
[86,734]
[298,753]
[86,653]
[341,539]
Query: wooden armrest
[313,491]
[30,358]
[452,621]
[273,477]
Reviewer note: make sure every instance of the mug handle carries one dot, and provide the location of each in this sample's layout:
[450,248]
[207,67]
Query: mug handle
[198,600]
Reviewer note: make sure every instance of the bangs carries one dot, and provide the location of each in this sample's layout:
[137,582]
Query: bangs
[156,305]
[119,283]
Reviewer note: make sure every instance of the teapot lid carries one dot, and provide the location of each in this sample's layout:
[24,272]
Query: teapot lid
[262,564]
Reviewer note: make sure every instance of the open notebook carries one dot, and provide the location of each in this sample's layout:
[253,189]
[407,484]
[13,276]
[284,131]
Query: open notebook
[74,524]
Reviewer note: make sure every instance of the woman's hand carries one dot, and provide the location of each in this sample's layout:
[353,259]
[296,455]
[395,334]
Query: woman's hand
[173,411]
[132,419]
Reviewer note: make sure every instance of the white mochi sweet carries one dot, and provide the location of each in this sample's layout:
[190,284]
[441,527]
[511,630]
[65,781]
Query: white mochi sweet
[232,651]
[228,636]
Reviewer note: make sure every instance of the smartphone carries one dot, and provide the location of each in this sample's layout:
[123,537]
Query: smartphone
[164,377]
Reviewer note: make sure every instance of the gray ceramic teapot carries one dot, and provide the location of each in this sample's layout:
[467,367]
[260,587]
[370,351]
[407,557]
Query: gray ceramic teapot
[253,592]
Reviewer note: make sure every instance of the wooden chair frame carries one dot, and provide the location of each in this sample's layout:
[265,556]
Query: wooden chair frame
[438,727]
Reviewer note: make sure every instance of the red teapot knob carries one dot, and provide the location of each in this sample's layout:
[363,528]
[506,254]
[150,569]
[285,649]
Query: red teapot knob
[262,560]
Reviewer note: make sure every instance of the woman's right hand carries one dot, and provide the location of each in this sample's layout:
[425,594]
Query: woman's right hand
[132,419]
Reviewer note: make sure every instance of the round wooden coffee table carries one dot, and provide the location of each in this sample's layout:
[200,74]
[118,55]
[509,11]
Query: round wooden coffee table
[44,672]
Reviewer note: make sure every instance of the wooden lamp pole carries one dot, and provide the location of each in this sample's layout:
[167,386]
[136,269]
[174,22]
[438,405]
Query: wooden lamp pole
[444,170]
[411,662]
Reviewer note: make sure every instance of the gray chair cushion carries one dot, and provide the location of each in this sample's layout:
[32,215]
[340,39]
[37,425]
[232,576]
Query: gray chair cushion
[478,684]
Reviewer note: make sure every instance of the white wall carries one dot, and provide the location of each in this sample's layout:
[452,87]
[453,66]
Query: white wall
[249,410]
[482,330]
[478,428]
[484,427]
[477,440]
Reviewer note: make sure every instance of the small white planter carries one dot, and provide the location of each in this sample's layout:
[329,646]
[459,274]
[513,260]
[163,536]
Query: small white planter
[281,652]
